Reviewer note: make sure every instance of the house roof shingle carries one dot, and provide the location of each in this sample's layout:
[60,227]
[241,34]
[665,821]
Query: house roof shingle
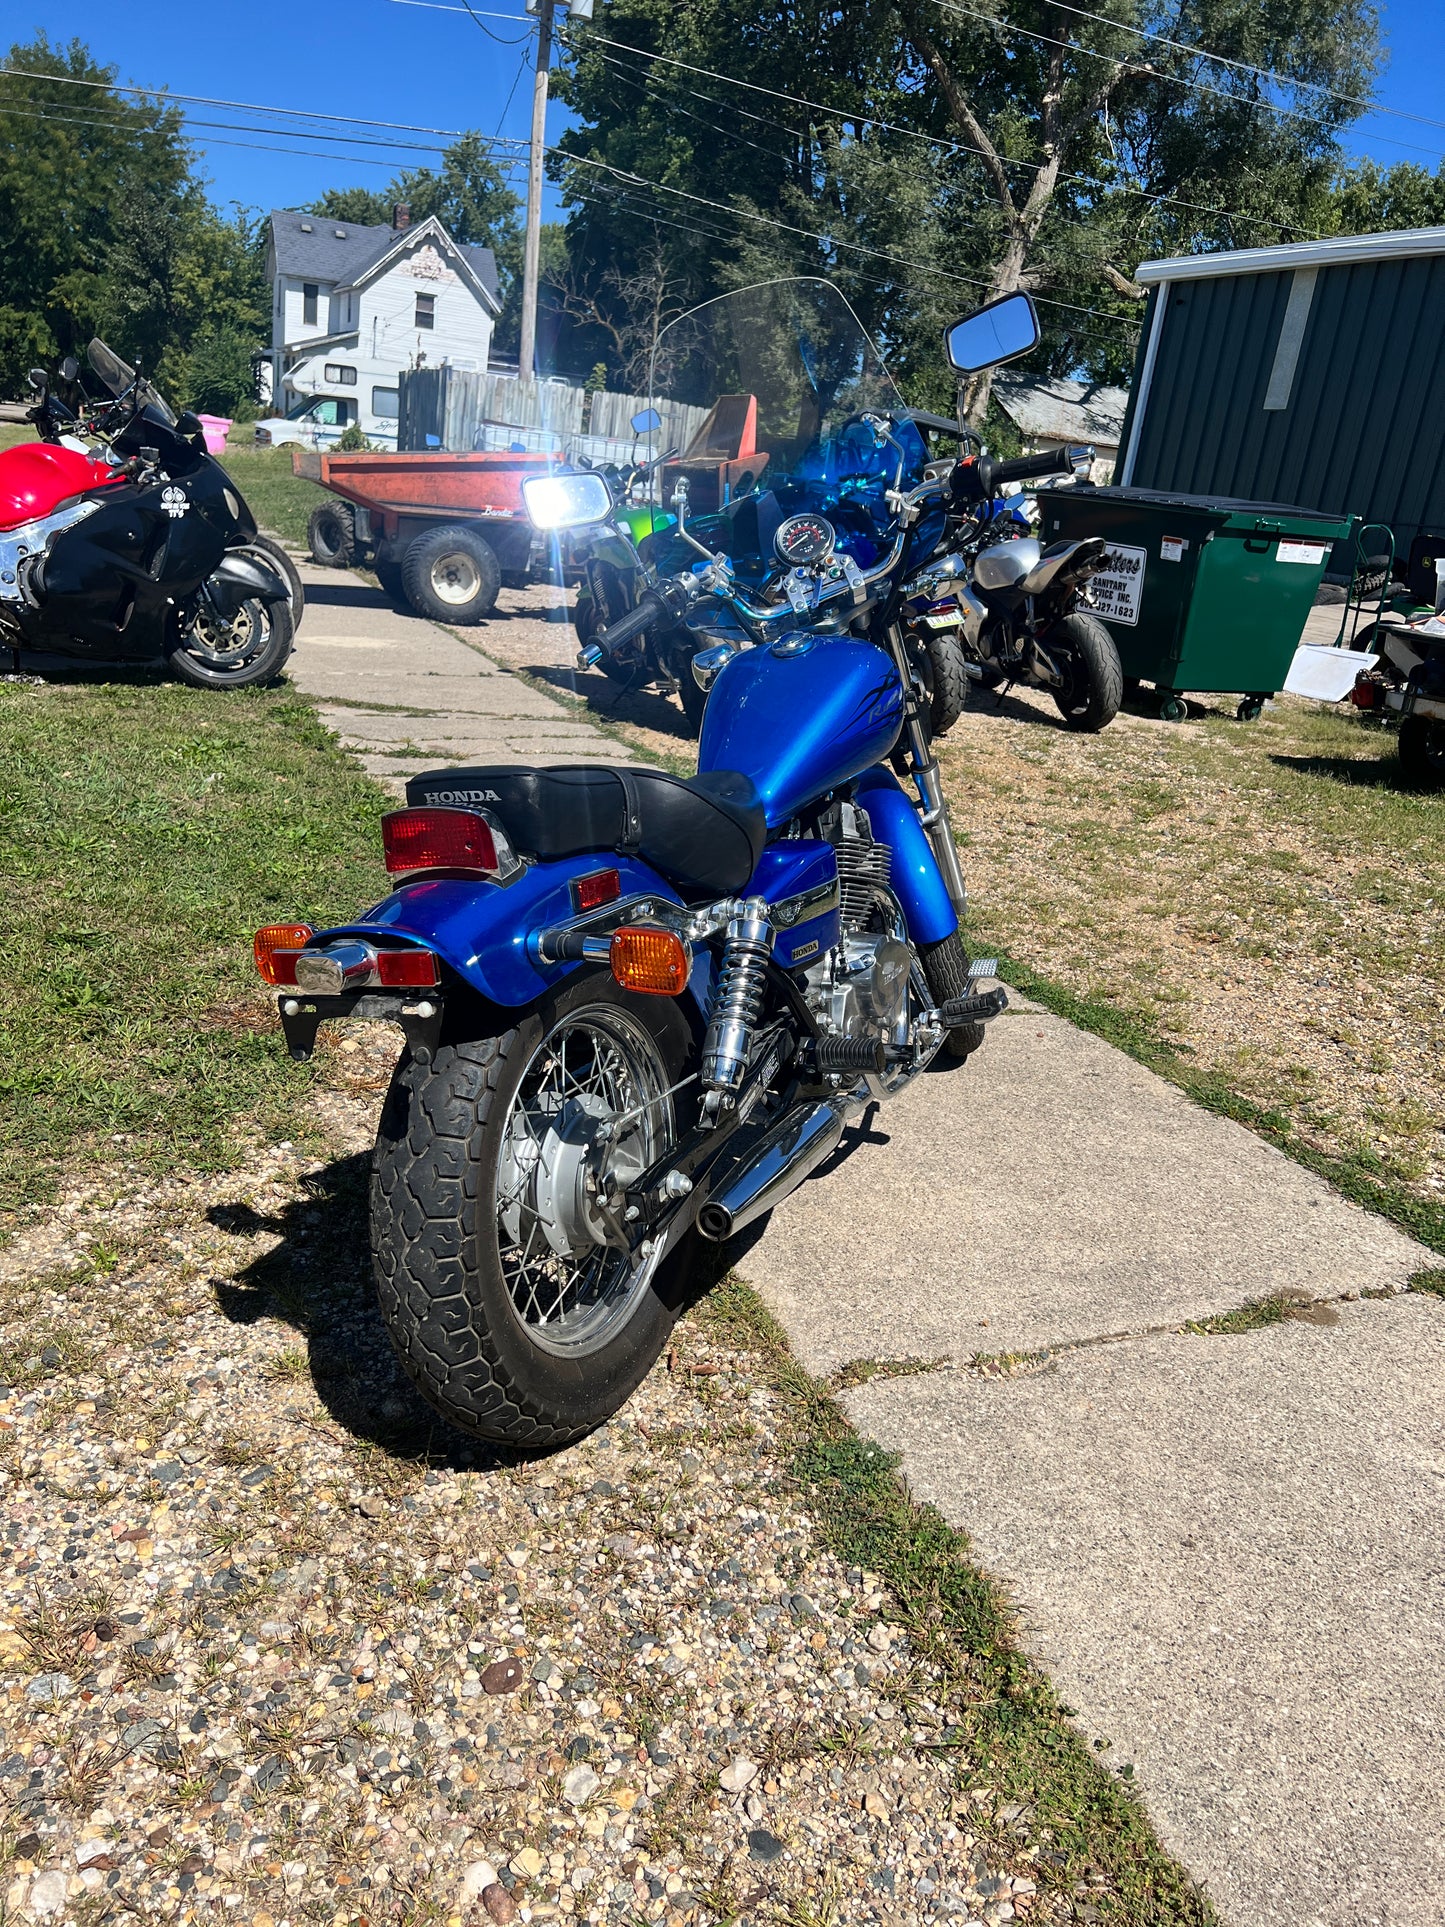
[1066,411]
[339,252]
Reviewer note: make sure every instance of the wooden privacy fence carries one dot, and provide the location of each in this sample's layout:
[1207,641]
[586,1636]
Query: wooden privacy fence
[460,409]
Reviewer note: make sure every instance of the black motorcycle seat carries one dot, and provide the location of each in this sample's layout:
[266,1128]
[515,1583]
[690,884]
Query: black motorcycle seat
[704,832]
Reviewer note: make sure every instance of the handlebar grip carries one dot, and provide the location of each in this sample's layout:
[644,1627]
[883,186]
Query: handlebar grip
[1026,468]
[648,609]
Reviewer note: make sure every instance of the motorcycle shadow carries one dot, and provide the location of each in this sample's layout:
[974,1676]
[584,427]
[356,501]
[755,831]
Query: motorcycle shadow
[644,708]
[1364,772]
[316,1278]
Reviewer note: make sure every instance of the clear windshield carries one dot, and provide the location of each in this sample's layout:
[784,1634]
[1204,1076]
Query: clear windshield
[762,395]
[119,377]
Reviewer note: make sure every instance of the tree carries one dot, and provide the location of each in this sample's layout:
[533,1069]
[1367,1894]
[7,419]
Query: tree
[74,166]
[1074,120]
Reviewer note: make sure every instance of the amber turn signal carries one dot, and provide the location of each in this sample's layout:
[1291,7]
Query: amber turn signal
[654,961]
[270,948]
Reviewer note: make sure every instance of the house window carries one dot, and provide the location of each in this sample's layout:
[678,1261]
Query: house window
[310,293]
[386,403]
[426,311]
[340,374]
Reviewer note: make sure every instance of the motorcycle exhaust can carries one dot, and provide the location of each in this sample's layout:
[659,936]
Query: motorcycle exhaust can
[787,1153]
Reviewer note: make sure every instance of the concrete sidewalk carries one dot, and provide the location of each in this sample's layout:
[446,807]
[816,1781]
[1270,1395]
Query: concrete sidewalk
[407,694]
[1227,1550]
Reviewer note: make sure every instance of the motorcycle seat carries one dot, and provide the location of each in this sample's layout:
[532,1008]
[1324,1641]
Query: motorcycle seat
[704,833]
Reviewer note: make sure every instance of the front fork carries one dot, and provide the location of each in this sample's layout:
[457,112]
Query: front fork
[923,768]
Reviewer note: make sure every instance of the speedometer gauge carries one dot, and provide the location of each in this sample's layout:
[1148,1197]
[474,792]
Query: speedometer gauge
[804,540]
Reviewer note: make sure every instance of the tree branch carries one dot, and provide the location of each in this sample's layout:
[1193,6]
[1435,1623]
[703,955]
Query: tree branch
[959,105]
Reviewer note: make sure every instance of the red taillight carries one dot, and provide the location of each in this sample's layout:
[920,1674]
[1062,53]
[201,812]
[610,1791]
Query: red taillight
[599,887]
[439,840]
[406,969]
[275,949]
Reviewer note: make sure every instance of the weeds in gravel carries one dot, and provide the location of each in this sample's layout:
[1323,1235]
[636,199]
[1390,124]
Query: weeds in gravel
[1004,1715]
[1432,1278]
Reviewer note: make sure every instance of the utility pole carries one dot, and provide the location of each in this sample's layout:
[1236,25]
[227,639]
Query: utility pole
[532,249]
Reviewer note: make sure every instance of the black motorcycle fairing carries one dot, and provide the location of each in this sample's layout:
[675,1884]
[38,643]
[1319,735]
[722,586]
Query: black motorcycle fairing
[111,583]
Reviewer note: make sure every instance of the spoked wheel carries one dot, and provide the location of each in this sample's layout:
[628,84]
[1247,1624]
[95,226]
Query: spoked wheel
[1093,679]
[501,1258]
[220,653]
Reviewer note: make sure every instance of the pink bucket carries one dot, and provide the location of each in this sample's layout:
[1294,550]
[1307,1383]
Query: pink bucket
[215,428]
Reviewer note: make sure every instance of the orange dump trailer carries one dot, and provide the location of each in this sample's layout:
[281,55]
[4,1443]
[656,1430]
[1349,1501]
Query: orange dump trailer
[441,530]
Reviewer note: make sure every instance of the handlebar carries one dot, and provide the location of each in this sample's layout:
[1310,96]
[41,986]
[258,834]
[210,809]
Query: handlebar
[649,608]
[1024,468]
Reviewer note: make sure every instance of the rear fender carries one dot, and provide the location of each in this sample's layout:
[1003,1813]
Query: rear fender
[1064,563]
[917,882]
[481,930]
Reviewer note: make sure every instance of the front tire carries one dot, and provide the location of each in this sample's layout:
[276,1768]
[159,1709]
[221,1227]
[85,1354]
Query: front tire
[275,557]
[451,575]
[945,970]
[1093,686]
[940,662]
[251,648]
[504,1315]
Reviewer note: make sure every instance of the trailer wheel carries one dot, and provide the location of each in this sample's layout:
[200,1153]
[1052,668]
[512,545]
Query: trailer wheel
[451,575]
[331,535]
[1422,752]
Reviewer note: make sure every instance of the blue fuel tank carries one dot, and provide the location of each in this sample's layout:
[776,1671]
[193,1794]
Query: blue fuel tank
[802,716]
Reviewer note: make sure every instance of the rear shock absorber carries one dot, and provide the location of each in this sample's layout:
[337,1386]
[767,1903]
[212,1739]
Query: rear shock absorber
[742,977]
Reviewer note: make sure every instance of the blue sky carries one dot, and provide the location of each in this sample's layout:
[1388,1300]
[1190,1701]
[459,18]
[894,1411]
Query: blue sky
[391,61]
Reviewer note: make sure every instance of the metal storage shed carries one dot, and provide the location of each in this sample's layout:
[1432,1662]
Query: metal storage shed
[1312,374]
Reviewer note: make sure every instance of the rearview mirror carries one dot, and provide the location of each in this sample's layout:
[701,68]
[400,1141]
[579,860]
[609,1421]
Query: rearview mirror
[38,380]
[69,368]
[646,422]
[1002,331]
[566,501]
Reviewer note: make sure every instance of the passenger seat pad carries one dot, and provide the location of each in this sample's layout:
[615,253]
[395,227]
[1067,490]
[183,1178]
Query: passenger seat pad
[704,832]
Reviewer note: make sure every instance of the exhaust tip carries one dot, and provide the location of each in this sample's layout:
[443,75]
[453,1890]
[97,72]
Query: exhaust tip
[715,1222]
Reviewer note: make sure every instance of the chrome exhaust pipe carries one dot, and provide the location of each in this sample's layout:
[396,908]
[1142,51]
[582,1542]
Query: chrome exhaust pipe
[786,1153]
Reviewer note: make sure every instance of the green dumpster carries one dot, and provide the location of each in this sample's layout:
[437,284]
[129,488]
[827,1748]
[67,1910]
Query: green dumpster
[1200,593]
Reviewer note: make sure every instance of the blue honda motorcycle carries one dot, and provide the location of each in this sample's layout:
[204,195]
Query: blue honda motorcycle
[638,1008]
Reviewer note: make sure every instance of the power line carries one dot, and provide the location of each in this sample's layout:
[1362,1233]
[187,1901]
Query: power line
[1243,67]
[1154,73]
[161,96]
[826,240]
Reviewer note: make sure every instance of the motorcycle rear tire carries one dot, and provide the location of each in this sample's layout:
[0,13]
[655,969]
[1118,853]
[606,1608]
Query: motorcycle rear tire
[265,666]
[945,969]
[437,1255]
[1092,700]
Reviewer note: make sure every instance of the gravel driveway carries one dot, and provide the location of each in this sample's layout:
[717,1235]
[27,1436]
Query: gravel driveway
[280,1647]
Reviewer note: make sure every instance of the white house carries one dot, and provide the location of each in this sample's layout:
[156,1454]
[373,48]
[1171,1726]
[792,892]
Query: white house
[1064,414]
[352,307]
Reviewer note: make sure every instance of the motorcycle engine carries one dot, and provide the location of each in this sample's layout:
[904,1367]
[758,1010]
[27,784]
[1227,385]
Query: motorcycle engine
[860,989]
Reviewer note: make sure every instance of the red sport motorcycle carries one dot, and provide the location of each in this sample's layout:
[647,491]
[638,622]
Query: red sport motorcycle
[122,539]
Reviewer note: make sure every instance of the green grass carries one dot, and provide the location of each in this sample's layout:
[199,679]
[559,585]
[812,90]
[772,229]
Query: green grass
[146,830]
[1003,1719]
[278,499]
